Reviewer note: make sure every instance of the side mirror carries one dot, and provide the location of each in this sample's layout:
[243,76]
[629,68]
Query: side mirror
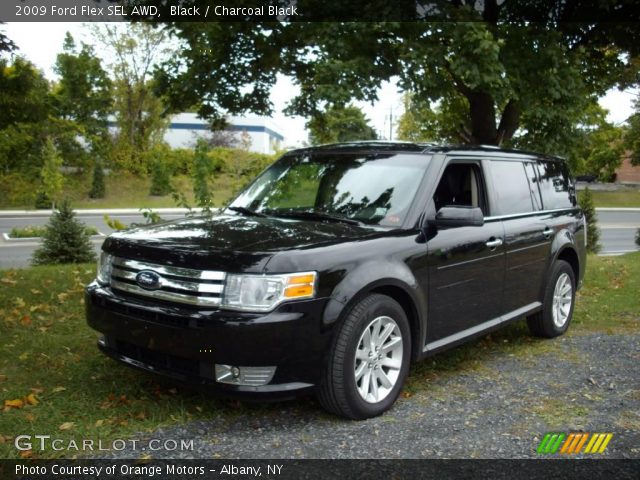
[459,217]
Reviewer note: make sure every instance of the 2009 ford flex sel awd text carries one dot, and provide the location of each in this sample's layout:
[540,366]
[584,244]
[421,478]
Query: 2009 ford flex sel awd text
[339,265]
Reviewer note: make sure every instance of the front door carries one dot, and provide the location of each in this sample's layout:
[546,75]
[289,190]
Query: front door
[466,264]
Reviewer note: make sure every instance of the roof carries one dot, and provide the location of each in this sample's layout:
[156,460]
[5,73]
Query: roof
[389,146]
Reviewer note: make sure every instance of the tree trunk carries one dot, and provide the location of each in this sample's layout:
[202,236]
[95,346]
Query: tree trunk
[483,118]
[509,122]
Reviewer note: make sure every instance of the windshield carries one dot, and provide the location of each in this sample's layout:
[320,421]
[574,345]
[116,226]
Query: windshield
[376,190]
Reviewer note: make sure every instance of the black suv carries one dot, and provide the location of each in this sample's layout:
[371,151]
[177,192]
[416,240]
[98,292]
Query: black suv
[341,264]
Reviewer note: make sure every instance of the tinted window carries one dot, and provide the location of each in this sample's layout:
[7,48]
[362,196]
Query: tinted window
[554,185]
[460,185]
[511,187]
[532,176]
[378,190]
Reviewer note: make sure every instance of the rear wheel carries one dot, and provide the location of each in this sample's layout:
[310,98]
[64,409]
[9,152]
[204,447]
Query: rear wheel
[369,359]
[557,309]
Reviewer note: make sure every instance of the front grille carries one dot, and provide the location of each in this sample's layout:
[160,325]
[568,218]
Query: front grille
[177,284]
[142,313]
[158,360]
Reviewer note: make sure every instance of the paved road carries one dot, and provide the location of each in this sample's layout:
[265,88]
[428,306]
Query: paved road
[618,230]
[18,254]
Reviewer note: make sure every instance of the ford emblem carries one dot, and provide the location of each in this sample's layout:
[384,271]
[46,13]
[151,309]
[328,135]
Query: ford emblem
[149,280]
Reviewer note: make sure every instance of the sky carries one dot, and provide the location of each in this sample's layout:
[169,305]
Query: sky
[41,42]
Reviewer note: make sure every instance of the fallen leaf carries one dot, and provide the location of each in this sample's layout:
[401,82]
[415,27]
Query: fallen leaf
[141,416]
[59,389]
[37,390]
[19,302]
[8,281]
[29,417]
[26,454]
[23,356]
[62,297]
[35,291]
[31,399]
[3,378]
[99,423]
[17,403]
[66,426]
[26,320]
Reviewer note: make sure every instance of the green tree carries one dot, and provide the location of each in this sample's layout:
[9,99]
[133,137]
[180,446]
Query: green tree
[585,199]
[52,179]
[137,49]
[202,172]
[632,135]
[6,44]
[513,73]
[83,96]
[25,116]
[65,240]
[97,183]
[160,177]
[340,124]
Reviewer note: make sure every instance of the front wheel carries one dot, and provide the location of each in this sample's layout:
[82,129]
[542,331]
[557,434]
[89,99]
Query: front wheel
[557,308]
[369,359]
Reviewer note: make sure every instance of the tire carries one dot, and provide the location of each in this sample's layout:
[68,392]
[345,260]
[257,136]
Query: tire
[553,321]
[380,377]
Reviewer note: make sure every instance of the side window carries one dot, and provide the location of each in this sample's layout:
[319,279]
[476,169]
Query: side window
[554,185]
[532,176]
[461,185]
[512,192]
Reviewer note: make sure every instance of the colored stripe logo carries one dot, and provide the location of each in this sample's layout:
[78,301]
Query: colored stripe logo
[574,443]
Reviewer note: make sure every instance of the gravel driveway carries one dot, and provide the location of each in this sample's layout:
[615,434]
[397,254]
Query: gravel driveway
[582,382]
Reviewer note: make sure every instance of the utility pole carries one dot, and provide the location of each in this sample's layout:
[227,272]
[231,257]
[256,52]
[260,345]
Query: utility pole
[391,124]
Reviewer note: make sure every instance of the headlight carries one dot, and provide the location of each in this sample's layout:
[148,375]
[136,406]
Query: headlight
[261,293]
[104,268]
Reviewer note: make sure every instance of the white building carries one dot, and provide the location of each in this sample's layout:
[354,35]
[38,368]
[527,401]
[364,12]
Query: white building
[186,128]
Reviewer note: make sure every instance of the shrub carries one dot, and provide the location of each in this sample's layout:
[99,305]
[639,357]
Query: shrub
[160,177]
[40,231]
[65,240]
[202,171]
[97,184]
[585,198]
[638,237]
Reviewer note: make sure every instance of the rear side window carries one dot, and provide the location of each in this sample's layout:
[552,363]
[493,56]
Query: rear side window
[532,176]
[511,188]
[554,185]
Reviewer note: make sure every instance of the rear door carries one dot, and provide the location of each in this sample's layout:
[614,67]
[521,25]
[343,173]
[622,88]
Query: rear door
[516,203]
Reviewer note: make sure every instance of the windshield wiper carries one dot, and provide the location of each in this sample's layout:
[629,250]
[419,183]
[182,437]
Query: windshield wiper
[246,211]
[317,215]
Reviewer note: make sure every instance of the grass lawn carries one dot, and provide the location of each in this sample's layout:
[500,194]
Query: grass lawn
[124,190]
[623,198]
[54,381]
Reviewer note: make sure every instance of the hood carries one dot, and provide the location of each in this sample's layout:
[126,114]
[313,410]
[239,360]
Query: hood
[228,241]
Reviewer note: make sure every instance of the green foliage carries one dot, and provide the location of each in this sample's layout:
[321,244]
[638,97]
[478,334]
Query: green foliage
[52,179]
[25,110]
[65,240]
[632,135]
[40,231]
[97,183]
[515,76]
[585,199]
[638,237]
[161,173]
[114,223]
[340,124]
[136,47]
[441,123]
[82,96]
[202,171]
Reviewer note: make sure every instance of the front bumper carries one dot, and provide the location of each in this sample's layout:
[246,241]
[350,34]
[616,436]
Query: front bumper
[186,343]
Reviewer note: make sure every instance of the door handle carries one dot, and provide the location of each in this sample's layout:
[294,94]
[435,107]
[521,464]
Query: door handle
[493,244]
[547,232]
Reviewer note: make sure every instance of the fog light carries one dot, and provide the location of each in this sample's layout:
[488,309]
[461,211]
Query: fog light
[252,376]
